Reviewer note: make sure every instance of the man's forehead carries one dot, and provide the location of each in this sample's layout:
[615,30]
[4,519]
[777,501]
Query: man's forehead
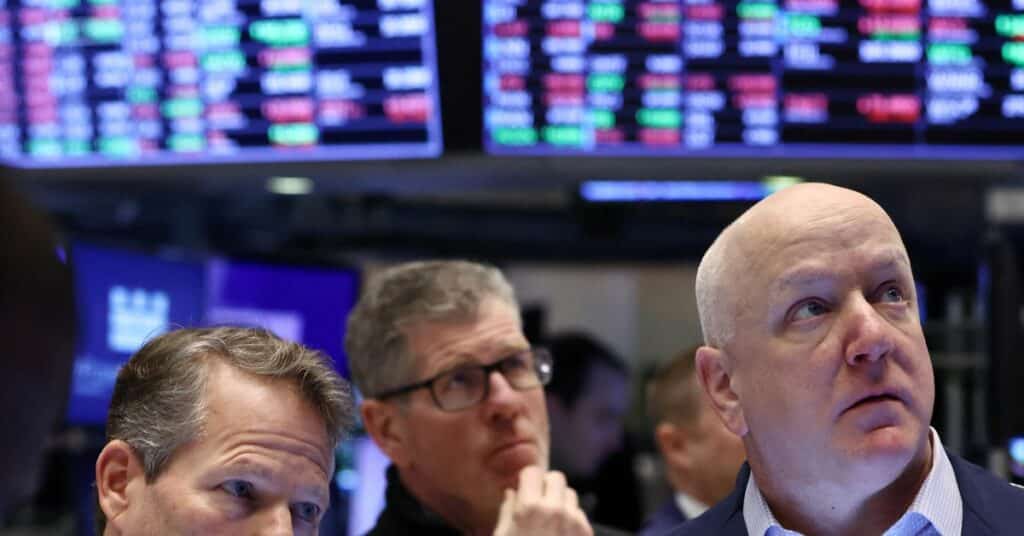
[811,212]
[496,328]
[234,396]
[780,244]
[470,347]
[885,260]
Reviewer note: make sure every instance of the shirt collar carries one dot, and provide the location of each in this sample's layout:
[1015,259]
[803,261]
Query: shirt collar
[939,497]
[690,507]
[938,500]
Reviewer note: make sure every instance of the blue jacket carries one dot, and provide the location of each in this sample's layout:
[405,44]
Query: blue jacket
[664,519]
[992,507]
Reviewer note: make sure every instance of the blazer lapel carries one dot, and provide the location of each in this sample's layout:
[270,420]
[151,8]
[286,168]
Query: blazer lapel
[734,524]
[977,507]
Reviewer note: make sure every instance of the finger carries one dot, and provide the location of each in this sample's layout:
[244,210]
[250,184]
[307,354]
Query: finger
[554,489]
[571,499]
[505,514]
[531,485]
[578,524]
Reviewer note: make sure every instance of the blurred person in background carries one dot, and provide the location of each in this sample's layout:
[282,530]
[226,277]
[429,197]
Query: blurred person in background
[701,456]
[222,430]
[453,395]
[37,321]
[587,403]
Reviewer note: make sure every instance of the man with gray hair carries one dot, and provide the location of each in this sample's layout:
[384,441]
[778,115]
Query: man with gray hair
[221,430]
[453,395]
[815,356]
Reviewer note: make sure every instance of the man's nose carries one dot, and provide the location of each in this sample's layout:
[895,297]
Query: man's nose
[868,333]
[502,400]
[275,521]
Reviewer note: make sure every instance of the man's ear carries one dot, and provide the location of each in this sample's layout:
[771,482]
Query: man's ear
[716,380]
[118,473]
[673,442]
[385,425]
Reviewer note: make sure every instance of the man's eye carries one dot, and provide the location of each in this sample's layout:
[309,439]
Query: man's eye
[518,362]
[308,512]
[238,488]
[459,379]
[809,309]
[893,294]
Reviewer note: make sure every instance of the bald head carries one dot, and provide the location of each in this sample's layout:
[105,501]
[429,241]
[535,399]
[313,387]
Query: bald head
[796,213]
[810,308]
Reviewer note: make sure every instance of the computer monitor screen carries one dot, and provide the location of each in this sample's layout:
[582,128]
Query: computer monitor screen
[759,78]
[363,483]
[1016,449]
[151,82]
[123,299]
[304,304]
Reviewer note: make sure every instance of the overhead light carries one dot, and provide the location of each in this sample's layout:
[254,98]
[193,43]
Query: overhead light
[655,191]
[290,185]
[775,183]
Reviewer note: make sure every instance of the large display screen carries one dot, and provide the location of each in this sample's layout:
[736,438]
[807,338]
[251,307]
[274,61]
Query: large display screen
[304,304]
[757,78]
[126,298]
[149,82]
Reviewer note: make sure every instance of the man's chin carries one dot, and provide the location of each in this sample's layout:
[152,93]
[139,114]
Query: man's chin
[892,441]
[509,461]
[882,452]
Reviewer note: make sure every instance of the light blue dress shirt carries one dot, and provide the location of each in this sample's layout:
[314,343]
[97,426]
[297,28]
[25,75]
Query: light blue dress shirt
[937,510]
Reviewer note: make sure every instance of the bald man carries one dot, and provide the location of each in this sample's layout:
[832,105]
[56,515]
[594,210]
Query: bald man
[814,355]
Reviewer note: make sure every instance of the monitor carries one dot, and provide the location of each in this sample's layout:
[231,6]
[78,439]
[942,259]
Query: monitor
[362,481]
[305,304]
[124,298]
[1016,450]
[907,79]
[170,82]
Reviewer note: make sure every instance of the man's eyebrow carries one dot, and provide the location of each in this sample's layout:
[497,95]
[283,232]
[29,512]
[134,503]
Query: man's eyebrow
[802,277]
[317,492]
[499,348]
[246,466]
[891,259]
[508,349]
[294,445]
[262,474]
[463,359]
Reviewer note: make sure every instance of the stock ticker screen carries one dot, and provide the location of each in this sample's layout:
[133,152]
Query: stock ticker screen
[143,82]
[758,78]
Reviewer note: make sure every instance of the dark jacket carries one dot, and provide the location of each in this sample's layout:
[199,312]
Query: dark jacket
[404,515]
[992,507]
[664,519]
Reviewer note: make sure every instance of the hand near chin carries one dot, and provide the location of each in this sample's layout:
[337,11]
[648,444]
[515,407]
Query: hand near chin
[543,504]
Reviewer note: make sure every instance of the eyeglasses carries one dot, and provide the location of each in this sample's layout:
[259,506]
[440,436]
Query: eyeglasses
[467,385]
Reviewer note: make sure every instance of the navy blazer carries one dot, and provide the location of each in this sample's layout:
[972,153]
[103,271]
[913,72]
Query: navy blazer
[664,519]
[992,507]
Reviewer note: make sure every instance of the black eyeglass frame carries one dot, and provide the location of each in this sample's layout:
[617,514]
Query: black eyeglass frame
[543,364]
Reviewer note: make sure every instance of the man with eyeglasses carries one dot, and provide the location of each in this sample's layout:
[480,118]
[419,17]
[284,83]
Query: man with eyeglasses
[453,395]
